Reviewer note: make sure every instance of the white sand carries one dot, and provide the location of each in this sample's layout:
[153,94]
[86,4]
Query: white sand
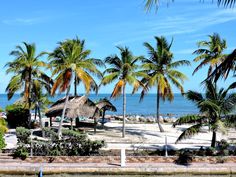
[149,135]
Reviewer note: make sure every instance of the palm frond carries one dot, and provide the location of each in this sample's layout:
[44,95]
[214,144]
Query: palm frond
[118,89]
[194,96]
[189,119]
[189,132]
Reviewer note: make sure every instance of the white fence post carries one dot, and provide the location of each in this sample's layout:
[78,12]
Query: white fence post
[122,157]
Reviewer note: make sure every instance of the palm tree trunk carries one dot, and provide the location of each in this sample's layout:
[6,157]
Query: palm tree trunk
[75,86]
[103,117]
[40,120]
[35,113]
[213,141]
[124,111]
[63,113]
[158,110]
[71,123]
[29,97]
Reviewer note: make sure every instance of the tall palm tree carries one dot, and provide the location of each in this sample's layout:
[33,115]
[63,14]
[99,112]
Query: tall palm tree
[215,107]
[69,61]
[26,68]
[124,70]
[161,72]
[211,54]
[149,4]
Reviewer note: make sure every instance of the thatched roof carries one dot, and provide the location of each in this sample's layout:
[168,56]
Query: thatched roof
[77,106]
[106,105]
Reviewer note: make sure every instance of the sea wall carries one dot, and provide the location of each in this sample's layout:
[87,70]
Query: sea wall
[129,159]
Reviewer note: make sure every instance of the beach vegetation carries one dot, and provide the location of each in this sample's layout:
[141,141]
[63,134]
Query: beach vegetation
[124,70]
[216,109]
[17,116]
[161,72]
[70,61]
[27,74]
[23,135]
[3,130]
[71,143]
[25,68]
[211,54]
[3,125]
[185,157]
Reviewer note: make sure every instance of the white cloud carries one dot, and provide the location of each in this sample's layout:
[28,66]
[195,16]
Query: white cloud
[184,23]
[22,21]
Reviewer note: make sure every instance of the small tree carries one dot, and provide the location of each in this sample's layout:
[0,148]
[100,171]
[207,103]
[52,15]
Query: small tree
[216,109]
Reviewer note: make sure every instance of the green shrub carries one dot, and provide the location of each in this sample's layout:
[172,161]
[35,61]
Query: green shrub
[222,145]
[3,125]
[23,135]
[2,141]
[21,152]
[185,157]
[17,116]
[210,151]
[71,144]
[50,133]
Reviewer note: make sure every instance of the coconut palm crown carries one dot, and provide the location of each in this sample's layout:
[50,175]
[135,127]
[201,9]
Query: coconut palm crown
[70,62]
[27,70]
[122,69]
[211,54]
[161,72]
[216,108]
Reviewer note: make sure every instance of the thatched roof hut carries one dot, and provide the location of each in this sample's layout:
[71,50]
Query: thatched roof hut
[106,105]
[77,106]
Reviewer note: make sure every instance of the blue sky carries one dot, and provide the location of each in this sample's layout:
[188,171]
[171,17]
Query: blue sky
[107,24]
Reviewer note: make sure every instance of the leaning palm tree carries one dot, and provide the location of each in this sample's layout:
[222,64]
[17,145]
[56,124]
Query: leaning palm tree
[161,71]
[149,4]
[123,69]
[211,54]
[227,66]
[69,61]
[216,108]
[26,68]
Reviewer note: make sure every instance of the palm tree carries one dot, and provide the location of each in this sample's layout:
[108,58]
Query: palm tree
[161,72]
[123,69]
[69,61]
[211,54]
[215,107]
[149,4]
[39,99]
[26,69]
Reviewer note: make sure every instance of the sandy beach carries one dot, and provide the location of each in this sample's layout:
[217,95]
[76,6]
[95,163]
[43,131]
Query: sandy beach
[148,135]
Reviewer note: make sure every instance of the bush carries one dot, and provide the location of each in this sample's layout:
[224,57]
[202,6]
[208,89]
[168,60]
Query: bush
[184,158]
[3,125]
[71,144]
[21,152]
[17,116]
[50,133]
[2,141]
[222,145]
[23,135]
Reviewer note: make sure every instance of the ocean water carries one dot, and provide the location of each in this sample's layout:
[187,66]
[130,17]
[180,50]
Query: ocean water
[178,107]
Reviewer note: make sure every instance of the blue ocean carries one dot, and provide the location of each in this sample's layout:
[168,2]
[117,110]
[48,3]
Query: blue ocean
[178,107]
